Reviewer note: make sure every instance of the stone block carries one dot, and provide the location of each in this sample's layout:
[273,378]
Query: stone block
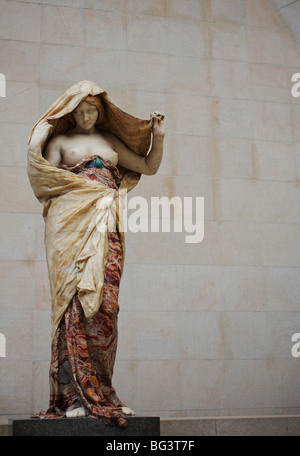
[234,118]
[147,71]
[196,152]
[275,160]
[243,288]
[105,5]
[296,122]
[17,326]
[272,121]
[15,227]
[228,41]
[282,288]
[230,79]
[157,248]
[272,425]
[6,427]
[17,195]
[251,383]
[62,25]
[137,426]
[235,158]
[238,199]
[268,82]
[254,426]
[152,8]
[148,335]
[240,244]
[232,11]
[17,284]
[270,46]
[198,287]
[187,427]
[41,334]
[189,9]
[16,386]
[105,29]
[61,63]
[189,114]
[192,42]
[147,386]
[42,286]
[193,187]
[147,33]
[14,139]
[201,335]
[70,3]
[247,335]
[19,60]
[261,14]
[206,253]
[280,244]
[40,384]
[293,423]
[136,293]
[26,15]
[201,395]
[112,65]
[278,202]
[20,105]
[188,75]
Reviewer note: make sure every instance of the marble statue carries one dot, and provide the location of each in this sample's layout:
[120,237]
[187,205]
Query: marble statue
[82,152]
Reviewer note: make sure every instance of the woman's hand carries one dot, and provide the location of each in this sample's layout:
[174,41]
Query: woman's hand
[158,127]
[40,134]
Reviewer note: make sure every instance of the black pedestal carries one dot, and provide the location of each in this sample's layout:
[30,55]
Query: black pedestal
[86,426]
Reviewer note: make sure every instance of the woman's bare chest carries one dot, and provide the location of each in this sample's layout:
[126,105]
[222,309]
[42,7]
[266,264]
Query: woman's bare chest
[78,147]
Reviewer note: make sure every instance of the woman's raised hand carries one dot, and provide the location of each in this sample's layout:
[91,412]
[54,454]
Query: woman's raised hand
[158,127]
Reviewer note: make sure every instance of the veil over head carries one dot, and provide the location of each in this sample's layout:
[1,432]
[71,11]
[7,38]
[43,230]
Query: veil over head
[134,132]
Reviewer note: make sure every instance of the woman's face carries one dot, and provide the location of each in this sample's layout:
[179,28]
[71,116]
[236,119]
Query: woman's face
[85,115]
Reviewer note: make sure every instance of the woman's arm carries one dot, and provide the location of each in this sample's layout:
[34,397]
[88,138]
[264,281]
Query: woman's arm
[52,152]
[149,164]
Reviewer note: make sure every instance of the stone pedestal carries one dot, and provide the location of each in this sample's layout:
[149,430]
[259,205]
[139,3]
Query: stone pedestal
[86,426]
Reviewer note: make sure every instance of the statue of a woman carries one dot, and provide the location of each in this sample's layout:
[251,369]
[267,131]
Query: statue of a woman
[82,152]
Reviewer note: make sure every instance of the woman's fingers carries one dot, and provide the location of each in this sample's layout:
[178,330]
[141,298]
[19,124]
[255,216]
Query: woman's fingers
[157,115]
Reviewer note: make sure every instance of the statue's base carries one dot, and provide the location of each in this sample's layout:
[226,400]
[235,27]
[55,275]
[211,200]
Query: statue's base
[86,426]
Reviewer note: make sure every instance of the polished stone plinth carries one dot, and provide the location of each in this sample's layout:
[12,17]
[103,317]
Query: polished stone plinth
[86,426]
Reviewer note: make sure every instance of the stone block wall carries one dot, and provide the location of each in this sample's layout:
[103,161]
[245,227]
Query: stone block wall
[205,329]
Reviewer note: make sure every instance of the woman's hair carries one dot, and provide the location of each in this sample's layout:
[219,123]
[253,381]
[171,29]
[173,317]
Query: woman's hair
[95,101]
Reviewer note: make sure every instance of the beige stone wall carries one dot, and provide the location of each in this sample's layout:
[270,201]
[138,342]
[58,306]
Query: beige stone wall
[205,329]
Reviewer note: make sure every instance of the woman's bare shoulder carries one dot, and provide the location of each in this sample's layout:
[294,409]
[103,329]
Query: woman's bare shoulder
[56,140]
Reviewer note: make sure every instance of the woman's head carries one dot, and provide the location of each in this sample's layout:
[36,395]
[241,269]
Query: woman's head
[88,113]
